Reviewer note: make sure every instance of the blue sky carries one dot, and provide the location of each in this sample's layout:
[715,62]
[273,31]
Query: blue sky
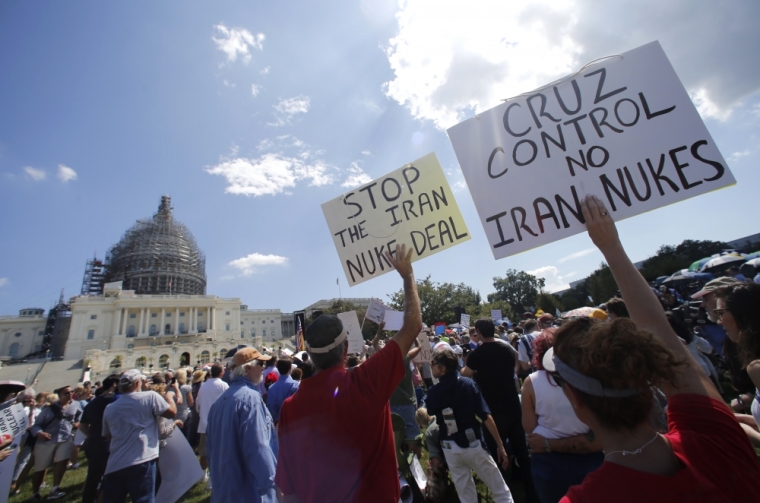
[252,114]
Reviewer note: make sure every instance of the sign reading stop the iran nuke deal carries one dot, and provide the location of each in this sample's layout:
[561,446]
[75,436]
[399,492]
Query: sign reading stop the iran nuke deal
[623,129]
[412,205]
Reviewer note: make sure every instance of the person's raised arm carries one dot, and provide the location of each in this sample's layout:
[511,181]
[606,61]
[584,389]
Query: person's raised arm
[376,339]
[412,314]
[642,304]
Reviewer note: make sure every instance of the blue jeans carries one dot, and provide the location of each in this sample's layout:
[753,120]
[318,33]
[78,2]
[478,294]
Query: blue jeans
[555,472]
[138,481]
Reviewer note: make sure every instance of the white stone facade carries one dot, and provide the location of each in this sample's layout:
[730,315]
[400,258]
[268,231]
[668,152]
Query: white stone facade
[125,330]
[22,334]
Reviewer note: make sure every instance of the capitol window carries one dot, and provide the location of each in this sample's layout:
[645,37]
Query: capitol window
[90,334]
[17,334]
[93,316]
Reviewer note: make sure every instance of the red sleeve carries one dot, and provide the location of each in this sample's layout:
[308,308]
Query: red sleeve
[379,376]
[281,476]
[707,432]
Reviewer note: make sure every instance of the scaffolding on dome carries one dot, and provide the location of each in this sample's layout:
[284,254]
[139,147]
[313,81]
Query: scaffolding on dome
[94,277]
[158,256]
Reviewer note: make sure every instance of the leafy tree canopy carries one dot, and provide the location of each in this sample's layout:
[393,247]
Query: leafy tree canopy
[518,288]
[438,301]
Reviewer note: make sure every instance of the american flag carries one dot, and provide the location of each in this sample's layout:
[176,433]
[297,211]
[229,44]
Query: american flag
[300,346]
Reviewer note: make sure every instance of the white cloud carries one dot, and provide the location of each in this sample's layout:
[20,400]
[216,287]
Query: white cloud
[738,155]
[366,152]
[264,70]
[289,107]
[576,255]
[356,176]
[235,42]
[66,174]
[554,282]
[286,161]
[453,58]
[707,108]
[248,264]
[228,84]
[3,282]
[255,90]
[35,174]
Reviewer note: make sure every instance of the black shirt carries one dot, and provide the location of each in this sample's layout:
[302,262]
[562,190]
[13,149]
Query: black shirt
[464,398]
[494,366]
[93,416]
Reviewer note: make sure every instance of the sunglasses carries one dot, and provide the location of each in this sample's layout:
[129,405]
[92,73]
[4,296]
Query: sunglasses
[719,312]
[557,378]
[259,363]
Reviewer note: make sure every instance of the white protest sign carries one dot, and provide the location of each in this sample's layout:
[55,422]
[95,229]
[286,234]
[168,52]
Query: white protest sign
[351,325]
[426,353]
[179,467]
[496,314]
[375,311]
[464,320]
[419,474]
[13,422]
[623,129]
[412,205]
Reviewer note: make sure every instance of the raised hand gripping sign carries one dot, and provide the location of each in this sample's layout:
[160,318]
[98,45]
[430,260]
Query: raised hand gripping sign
[623,129]
[412,205]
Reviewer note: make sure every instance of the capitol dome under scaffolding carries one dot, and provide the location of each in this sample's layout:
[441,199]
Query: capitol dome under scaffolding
[158,256]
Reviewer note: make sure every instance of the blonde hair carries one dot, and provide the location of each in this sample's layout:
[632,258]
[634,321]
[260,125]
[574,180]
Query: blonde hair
[51,398]
[181,377]
[422,418]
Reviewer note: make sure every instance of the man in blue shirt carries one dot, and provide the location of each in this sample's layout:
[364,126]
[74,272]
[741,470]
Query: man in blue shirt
[282,389]
[458,406]
[241,443]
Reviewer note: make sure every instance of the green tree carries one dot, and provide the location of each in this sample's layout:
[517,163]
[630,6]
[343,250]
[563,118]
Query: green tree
[518,288]
[439,300]
[601,284]
[549,303]
[484,310]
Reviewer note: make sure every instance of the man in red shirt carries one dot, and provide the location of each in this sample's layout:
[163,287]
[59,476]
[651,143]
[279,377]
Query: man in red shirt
[335,435]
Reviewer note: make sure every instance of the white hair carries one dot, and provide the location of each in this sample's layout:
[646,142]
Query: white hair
[243,369]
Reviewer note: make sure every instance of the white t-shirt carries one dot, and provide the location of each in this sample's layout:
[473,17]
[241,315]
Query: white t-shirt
[522,352]
[207,395]
[556,417]
[132,423]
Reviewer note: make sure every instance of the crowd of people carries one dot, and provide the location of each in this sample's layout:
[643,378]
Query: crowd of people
[620,405]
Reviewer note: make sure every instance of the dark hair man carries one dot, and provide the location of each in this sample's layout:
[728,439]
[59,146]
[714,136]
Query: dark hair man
[458,406]
[284,388]
[346,415]
[615,308]
[95,446]
[54,429]
[492,366]
[131,424]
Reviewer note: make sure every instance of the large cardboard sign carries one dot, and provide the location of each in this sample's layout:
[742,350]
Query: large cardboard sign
[180,469]
[351,325]
[495,314]
[379,312]
[623,129]
[412,205]
[464,320]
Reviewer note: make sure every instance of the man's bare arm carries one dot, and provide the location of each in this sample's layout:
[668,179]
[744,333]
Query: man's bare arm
[412,313]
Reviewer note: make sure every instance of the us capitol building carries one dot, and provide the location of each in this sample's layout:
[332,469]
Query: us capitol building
[146,307]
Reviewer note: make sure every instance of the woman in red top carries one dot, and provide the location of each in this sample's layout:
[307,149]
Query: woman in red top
[607,370]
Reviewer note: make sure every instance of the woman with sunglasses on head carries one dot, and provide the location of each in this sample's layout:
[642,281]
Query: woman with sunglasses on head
[606,370]
[563,449]
[738,311]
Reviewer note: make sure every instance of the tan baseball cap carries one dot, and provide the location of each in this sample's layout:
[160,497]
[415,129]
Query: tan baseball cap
[246,355]
[714,284]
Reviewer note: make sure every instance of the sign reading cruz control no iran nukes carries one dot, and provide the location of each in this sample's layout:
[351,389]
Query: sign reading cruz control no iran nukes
[412,205]
[623,129]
